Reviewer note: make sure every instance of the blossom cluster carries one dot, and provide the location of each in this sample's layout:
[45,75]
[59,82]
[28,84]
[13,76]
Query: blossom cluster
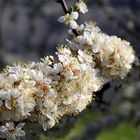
[46,91]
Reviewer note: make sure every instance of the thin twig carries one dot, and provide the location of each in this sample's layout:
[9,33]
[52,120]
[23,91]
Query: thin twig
[64,5]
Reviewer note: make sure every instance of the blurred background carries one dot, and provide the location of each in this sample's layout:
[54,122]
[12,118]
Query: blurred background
[29,31]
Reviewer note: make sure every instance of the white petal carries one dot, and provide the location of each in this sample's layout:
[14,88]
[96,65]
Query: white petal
[81,53]
[69,74]
[8,104]
[21,133]
[70,32]
[81,40]
[10,125]
[96,48]
[81,27]
[75,15]
[19,126]
[3,129]
[88,37]
[61,19]
[73,24]
[57,68]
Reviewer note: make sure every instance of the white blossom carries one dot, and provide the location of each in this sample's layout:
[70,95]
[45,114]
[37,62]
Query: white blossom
[82,7]
[69,19]
[10,132]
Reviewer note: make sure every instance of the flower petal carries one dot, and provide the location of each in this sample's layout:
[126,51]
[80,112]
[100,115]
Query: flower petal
[61,19]
[75,15]
[73,24]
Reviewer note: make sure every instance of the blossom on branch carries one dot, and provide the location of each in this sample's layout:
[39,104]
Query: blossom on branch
[69,19]
[44,92]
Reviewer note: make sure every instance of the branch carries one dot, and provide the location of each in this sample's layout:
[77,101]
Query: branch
[64,5]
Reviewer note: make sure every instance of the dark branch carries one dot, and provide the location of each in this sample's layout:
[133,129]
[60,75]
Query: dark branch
[64,5]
